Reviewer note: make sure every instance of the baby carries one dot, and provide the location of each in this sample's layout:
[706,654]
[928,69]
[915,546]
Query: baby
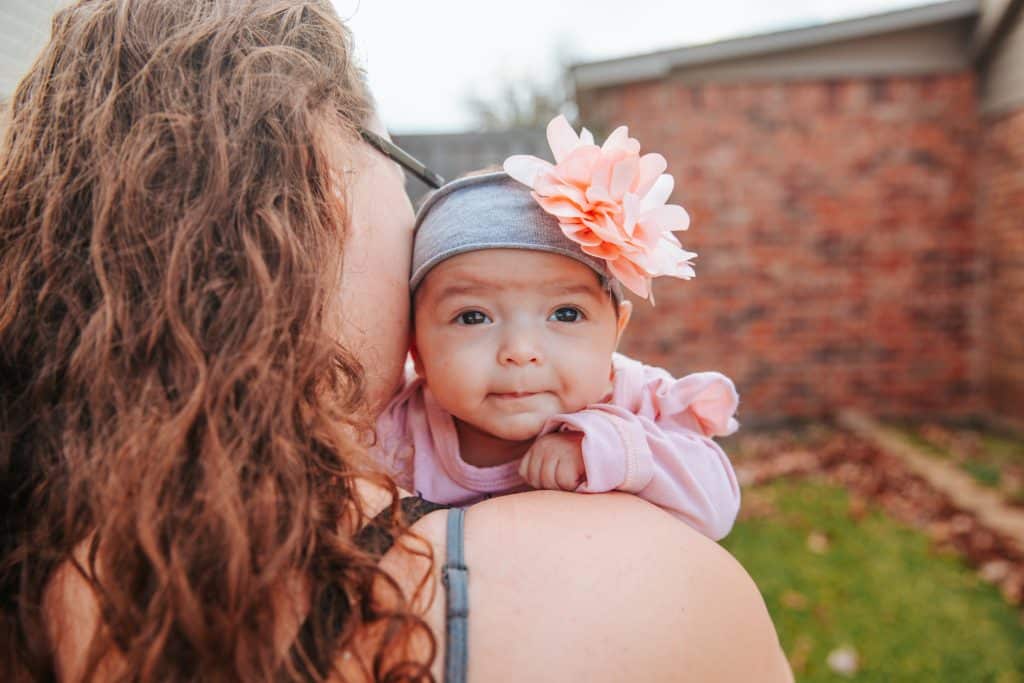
[513,380]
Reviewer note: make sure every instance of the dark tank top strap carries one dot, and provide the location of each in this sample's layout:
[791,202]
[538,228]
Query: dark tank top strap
[375,537]
[455,576]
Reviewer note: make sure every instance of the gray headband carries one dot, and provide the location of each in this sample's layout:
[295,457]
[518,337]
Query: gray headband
[489,211]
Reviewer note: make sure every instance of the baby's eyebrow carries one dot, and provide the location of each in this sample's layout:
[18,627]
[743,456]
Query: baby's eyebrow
[554,287]
[462,288]
[562,288]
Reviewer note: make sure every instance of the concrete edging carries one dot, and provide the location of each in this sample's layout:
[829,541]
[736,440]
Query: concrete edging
[987,505]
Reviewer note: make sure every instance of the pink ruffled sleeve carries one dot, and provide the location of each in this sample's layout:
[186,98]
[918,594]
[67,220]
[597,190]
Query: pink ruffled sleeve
[653,438]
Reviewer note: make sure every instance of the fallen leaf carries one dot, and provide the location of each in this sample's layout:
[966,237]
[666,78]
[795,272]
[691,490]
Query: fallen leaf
[801,653]
[843,661]
[857,508]
[794,600]
[994,571]
[1012,587]
[962,524]
[817,542]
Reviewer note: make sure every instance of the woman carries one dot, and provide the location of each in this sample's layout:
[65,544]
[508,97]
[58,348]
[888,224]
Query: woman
[203,300]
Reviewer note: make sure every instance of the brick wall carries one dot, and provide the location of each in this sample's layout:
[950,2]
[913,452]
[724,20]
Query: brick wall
[1001,224]
[835,226]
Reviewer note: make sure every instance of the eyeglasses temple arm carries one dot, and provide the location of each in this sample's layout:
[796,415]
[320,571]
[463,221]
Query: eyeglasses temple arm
[403,158]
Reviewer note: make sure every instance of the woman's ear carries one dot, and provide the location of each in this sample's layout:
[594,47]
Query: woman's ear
[625,311]
[417,363]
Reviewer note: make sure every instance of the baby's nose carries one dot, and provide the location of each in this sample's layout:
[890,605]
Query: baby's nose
[519,350]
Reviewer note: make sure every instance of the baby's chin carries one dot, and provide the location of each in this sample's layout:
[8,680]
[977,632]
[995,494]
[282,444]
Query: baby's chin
[516,428]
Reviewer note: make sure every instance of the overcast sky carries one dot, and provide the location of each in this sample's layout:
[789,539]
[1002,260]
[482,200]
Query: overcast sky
[424,58]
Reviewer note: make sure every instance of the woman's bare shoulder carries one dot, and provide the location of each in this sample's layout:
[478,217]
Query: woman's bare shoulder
[562,587]
[73,619]
[609,587]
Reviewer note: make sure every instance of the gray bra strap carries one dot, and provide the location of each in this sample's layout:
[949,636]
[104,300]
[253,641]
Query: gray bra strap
[456,580]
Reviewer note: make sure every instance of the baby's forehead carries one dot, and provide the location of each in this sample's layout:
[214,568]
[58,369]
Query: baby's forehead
[509,270]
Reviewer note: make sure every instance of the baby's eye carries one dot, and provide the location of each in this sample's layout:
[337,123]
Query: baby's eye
[567,314]
[472,318]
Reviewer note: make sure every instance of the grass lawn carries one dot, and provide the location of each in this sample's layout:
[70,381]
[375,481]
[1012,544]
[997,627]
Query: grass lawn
[835,576]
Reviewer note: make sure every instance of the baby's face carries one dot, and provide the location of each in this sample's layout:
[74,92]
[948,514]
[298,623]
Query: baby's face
[506,338]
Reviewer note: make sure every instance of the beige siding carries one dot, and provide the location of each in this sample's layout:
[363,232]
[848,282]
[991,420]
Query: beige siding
[24,28]
[1002,81]
[992,13]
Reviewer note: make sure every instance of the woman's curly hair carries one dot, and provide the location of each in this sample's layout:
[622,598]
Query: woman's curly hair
[173,409]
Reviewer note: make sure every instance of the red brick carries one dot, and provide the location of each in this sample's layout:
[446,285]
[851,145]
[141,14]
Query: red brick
[838,240]
[1000,215]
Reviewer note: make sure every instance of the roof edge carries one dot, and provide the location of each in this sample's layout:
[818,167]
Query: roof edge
[658,64]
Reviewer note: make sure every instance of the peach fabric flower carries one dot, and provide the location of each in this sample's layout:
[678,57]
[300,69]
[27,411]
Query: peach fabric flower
[611,201]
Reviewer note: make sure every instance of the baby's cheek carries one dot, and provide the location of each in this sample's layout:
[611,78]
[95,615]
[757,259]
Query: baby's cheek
[457,388]
[592,384]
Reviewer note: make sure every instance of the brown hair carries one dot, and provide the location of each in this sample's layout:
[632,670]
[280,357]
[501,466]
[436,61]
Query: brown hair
[170,397]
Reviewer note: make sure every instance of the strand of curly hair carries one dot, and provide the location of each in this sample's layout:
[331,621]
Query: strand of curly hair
[170,401]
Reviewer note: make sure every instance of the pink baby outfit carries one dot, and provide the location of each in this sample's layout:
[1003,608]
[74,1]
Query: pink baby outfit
[651,437]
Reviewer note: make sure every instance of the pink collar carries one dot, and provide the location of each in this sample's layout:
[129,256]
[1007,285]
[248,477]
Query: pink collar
[499,478]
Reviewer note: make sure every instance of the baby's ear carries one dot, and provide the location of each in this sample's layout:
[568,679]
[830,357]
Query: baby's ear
[625,311]
[417,363]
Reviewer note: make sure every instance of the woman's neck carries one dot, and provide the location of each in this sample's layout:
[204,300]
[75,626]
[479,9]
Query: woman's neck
[480,449]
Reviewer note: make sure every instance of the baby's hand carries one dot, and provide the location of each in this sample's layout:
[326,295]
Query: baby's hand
[555,461]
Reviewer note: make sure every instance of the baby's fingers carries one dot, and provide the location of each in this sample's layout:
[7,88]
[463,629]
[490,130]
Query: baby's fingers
[549,472]
[568,475]
[529,469]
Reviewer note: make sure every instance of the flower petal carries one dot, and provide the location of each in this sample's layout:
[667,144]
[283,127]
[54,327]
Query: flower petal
[631,212]
[561,137]
[672,261]
[659,192]
[559,207]
[586,137]
[619,142]
[647,238]
[671,239]
[602,172]
[548,185]
[604,227]
[605,250]
[670,217]
[578,165]
[581,234]
[616,140]
[631,277]
[622,176]
[526,168]
[651,168]
[598,194]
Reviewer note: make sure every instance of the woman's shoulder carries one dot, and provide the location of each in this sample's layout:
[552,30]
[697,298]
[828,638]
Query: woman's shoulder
[562,586]
[601,587]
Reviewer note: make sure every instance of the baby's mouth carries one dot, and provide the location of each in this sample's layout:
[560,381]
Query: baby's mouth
[508,395]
